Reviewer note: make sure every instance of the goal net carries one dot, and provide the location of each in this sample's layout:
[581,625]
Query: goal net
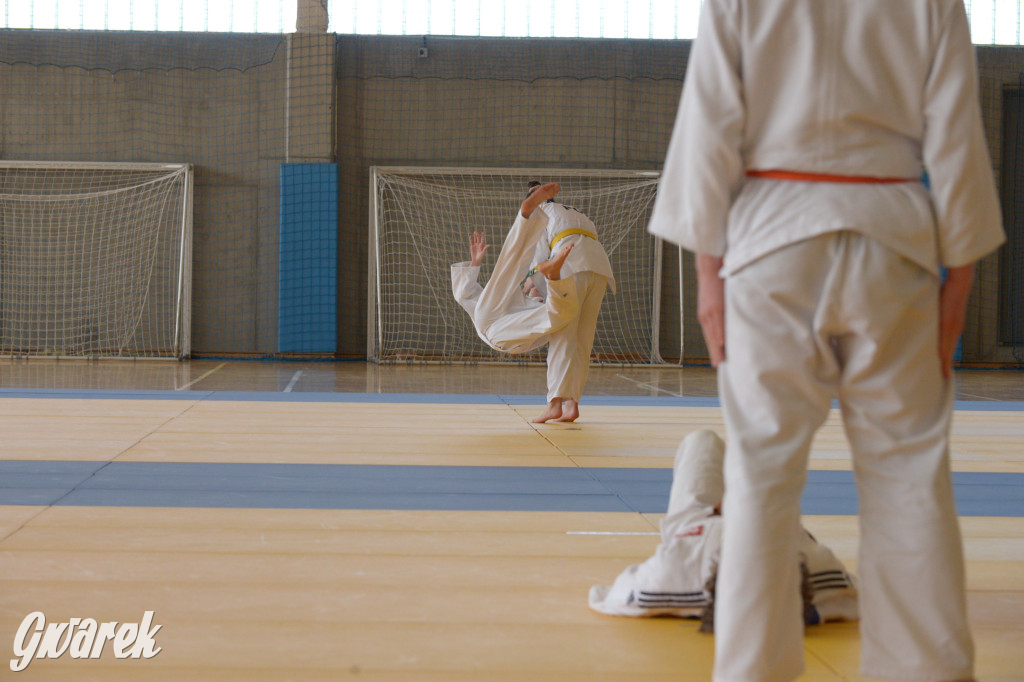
[95,259]
[421,222]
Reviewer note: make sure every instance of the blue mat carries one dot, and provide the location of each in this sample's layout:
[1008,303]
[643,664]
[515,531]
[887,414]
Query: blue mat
[485,488]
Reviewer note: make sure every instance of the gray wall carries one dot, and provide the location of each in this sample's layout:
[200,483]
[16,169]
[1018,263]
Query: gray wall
[576,103]
[216,101]
[500,103]
[236,106]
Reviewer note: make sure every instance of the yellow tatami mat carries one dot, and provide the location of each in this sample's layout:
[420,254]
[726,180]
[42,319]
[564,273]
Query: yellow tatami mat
[402,594]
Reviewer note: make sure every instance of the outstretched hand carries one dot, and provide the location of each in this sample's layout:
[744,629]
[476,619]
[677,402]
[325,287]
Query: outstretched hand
[539,196]
[477,248]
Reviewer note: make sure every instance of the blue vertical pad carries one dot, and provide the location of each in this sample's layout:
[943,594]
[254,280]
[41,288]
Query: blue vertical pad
[308,281]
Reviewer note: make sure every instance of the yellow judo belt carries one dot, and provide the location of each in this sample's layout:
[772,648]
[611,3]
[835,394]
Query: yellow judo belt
[568,233]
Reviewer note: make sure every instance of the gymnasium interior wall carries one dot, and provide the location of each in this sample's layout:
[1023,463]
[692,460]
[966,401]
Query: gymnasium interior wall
[238,105]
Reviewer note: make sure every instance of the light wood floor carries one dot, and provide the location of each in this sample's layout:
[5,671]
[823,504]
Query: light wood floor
[362,377]
[393,594]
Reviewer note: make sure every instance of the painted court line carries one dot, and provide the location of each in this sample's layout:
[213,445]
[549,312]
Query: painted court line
[605,532]
[295,379]
[201,377]
[653,388]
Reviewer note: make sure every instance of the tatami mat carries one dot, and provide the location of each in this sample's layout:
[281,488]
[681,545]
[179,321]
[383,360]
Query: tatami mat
[435,582]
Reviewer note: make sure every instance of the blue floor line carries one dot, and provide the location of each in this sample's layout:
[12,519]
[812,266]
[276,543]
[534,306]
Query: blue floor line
[459,488]
[102,394]
[416,398]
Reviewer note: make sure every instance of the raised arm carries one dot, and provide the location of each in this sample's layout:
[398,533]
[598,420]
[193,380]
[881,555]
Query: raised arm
[477,248]
[539,196]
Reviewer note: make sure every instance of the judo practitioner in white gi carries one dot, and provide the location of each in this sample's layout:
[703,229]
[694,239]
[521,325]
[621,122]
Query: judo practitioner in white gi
[569,348]
[792,173]
[678,580]
[505,318]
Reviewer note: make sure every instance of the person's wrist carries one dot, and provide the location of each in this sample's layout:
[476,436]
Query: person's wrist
[708,267]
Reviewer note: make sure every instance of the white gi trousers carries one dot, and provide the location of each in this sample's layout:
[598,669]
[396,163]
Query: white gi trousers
[697,482]
[515,329]
[838,314]
[504,318]
[569,348]
[672,581]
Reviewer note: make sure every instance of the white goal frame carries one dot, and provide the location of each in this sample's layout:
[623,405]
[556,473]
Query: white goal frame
[376,331]
[178,252]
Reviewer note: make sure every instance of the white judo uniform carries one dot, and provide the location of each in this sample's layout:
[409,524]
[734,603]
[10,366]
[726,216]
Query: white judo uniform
[569,348]
[505,318]
[831,288]
[674,581]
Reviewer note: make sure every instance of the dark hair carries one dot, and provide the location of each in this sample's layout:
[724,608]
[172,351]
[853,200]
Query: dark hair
[707,615]
[531,185]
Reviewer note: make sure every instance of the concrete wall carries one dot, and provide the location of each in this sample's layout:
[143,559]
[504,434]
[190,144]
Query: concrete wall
[216,101]
[499,103]
[236,106]
[1001,74]
[595,104]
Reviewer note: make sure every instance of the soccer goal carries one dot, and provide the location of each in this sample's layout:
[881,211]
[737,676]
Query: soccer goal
[95,259]
[421,221]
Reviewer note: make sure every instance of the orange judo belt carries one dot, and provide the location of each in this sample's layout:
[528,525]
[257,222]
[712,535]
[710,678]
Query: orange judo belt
[797,176]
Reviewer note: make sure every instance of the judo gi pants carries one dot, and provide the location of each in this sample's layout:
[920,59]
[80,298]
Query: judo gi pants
[569,348]
[697,482]
[838,315]
[503,315]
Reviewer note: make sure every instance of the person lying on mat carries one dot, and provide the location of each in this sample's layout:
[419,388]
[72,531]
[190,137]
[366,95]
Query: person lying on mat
[679,579]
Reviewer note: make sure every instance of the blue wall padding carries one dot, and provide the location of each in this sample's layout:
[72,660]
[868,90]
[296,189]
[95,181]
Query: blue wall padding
[308,280]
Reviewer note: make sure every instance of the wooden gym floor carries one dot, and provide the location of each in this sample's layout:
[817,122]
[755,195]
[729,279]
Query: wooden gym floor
[326,521]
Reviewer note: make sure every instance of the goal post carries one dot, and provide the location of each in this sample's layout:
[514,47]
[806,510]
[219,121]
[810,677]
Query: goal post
[420,223]
[95,259]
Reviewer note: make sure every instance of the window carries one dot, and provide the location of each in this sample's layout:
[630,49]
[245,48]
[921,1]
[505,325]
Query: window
[244,16]
[993,22]
[642,19]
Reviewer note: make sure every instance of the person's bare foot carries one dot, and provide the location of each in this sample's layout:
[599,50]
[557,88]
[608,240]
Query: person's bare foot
[552,269]
[570,411]
[553,411]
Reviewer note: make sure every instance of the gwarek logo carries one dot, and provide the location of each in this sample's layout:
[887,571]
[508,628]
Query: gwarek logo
[82,638]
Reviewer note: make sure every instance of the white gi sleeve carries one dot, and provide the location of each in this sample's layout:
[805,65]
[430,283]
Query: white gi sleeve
[466,286]
[704,169]
[955,151]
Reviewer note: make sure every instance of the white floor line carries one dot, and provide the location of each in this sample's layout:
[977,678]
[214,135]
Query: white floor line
[603,532]
[653,388]
[971,396]
[196,381]
[288,388]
